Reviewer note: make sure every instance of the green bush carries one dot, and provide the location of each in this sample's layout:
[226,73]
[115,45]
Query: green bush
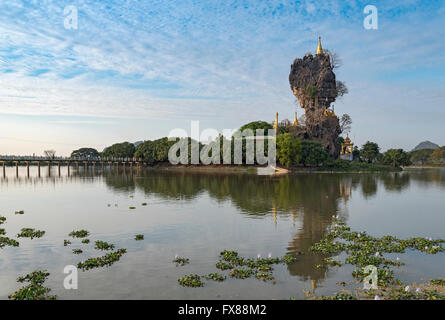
[312,153]
[288,150]
[119,150]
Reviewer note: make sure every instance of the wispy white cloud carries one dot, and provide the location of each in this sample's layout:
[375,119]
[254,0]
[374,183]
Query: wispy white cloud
[201,59]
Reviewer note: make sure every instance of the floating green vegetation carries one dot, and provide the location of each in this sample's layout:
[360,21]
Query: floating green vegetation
[333,262]
[77,251]
[215,277]
[191,280]
[139,237]
[132,208]
[20,212]
[288,259]
[223,265]
[241,273]
[438,282]
[339,296]
[98,262]
[66,242]
[86,241]
[362,250]
[242,268]
[35,289]
[5,241]
[2,232]
[79,234]
[30,233]
[2,219]
[144,204]
[181,261]
[264,276]
[102,245]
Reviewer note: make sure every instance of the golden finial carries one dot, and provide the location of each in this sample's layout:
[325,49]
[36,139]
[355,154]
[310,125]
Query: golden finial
[296,120]
[275,125]
[319,49]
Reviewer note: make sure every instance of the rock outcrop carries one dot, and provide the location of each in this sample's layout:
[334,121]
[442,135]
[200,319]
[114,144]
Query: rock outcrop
[313,83]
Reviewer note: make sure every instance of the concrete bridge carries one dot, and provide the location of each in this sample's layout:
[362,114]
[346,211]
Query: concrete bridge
[69,162]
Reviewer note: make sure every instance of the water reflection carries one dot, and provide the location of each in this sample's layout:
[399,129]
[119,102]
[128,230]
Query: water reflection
[308,200]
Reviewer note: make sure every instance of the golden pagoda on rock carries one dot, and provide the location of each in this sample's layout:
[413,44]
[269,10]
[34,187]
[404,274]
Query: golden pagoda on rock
[296,123]
[275,125]
[319,48]
[329,113]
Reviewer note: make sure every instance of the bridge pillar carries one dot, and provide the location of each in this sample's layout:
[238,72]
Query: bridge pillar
[69,164]
[17,168]
[27,168]
[4,170]
[58,167]
[49,168]
[38,163]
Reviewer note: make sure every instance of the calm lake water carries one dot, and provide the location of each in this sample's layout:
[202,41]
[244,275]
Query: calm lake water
[197,215]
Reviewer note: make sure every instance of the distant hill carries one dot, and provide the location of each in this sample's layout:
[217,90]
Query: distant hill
[426,145]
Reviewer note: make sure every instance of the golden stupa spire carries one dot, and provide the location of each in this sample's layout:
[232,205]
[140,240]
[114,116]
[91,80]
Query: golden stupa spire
[296,120]
[319,49]
[275,125]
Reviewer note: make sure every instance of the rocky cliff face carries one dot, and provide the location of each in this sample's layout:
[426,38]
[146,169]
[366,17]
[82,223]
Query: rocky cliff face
[313,83]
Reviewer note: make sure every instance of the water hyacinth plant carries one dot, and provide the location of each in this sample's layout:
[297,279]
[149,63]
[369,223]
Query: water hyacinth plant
[77,251]
[5,241]
[79,234]
[139,237]
[103,261]
[20,212]
[66,242]
[215,277]
[35,289]
[85,241]
[102,245]
[191,280]
[30,233]
[181,261]
[362,250]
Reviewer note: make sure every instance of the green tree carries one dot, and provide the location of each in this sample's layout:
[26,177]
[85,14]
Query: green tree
[257,125]
[370,151]
[396,158]
[119,150]
[288,150]
[356,153]
[312,153]
[438,154]
[85,153]
[421,156]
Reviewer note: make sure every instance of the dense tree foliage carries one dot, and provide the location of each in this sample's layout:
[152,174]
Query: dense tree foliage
[438,154]
[257,125]
[119,150]
[288,150]
[313,153]
[370,152]
[154,151]
[85,153]
[396,158]
[421,156]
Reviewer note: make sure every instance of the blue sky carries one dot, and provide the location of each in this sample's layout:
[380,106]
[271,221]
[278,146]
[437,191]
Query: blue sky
[135,70]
